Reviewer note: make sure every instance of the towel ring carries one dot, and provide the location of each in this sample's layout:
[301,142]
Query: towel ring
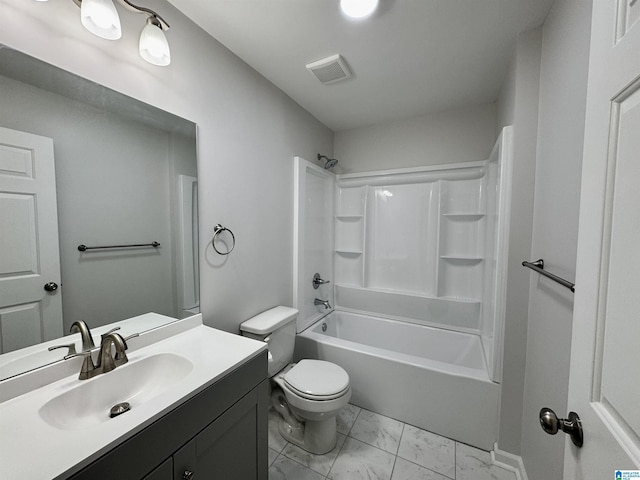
[217,230]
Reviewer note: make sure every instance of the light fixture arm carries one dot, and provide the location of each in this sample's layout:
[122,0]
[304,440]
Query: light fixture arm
[136,9]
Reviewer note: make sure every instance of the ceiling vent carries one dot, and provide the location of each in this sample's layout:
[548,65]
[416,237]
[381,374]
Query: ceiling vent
[331,69]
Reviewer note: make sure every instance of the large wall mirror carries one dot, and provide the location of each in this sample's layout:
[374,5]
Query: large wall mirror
[125,174]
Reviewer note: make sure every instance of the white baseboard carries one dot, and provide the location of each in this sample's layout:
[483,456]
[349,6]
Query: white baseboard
[509,461]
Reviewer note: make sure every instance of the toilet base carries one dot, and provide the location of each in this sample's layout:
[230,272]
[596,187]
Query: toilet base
[314,437]
[317,437]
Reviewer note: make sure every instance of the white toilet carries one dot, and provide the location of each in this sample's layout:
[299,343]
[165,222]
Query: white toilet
[308,394]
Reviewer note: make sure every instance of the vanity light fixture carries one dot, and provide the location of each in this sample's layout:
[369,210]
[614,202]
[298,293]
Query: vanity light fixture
[154,47]
[101,18]
[358,8]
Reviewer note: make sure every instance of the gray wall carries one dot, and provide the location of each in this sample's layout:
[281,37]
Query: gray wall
[249,132]
[113,179]
[544,90]
[460,135]
[518,106]
[563,84]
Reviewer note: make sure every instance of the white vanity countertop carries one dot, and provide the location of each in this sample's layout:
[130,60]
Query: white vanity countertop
[31,447]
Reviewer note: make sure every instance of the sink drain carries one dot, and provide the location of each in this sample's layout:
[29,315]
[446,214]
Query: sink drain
[119,409]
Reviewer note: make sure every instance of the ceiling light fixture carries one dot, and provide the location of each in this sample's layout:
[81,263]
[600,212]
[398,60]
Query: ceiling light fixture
[101,18]
[358,8]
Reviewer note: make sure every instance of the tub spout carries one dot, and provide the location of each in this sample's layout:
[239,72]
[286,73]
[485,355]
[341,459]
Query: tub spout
[326,304]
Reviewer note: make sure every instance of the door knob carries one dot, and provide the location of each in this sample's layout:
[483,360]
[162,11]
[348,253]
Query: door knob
[51,286]
[188,475]
[571,425]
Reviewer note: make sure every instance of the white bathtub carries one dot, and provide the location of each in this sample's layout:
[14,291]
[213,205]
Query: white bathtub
[432,378]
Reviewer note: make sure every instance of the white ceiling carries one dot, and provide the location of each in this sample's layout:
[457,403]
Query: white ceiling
[410,58]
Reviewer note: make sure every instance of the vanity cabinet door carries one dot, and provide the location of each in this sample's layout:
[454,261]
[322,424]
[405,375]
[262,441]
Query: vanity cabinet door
[229,448]
[163,472]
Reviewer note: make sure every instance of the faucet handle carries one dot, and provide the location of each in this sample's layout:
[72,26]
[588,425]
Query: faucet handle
[317,281]
[115,329]
[120,346]
[89,369]
[71,347]
[130,336]
[121,356]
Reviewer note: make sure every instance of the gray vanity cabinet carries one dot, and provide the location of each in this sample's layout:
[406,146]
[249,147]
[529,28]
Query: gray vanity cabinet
[226,449]
[163,472]
[220,433]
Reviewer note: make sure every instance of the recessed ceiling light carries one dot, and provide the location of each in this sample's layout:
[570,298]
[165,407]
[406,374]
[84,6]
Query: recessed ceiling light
[358,8]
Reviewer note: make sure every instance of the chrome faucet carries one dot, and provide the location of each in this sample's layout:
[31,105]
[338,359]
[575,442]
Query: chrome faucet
[106,360]
[326,304]
[81,327]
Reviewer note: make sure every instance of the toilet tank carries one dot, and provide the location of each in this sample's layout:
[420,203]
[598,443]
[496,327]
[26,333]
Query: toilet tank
[277,327]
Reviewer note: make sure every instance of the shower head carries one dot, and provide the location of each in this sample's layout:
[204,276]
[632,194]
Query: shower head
[328,162]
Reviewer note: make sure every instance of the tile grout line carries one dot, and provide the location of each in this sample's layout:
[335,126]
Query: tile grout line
[395,458]
[455,459]
[343,444]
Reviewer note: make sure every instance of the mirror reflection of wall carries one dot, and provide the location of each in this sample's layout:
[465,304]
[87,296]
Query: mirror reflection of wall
[118,182]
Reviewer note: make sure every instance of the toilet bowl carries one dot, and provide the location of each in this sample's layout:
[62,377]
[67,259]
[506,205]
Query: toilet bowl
[309,394]
[315,391]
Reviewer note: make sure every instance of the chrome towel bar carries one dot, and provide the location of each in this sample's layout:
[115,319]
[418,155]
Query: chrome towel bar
[538,266]
[84,248]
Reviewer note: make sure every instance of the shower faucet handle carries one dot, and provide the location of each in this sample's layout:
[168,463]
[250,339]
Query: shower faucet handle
[317,281]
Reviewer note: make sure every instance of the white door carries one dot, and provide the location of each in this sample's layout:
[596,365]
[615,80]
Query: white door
[604,386]
[29,254]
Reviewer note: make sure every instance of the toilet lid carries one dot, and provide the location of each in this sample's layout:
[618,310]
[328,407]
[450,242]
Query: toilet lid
[317,378]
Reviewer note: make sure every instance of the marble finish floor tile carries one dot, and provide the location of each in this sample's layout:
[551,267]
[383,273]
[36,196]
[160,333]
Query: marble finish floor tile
[359,461]
[346,418]
[368,449]
[318,463]
[377,430]
[428,450]
[286,469]
[272,456]
[405,470]
[276,441]
[475,464]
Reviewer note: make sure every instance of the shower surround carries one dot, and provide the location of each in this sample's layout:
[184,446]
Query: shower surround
[427,249]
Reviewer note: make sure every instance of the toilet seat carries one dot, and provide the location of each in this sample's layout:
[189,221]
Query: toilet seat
[317,380]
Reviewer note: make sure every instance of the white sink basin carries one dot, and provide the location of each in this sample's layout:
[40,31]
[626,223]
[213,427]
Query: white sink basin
[52,424]
[136,382]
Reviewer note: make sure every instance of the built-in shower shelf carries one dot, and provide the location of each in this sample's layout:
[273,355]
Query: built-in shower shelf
[463,259]
[349,218]
[464,216]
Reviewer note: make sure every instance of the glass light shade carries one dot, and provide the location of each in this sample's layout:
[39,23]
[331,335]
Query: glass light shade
[101,18]
[358,8]
[154,47]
